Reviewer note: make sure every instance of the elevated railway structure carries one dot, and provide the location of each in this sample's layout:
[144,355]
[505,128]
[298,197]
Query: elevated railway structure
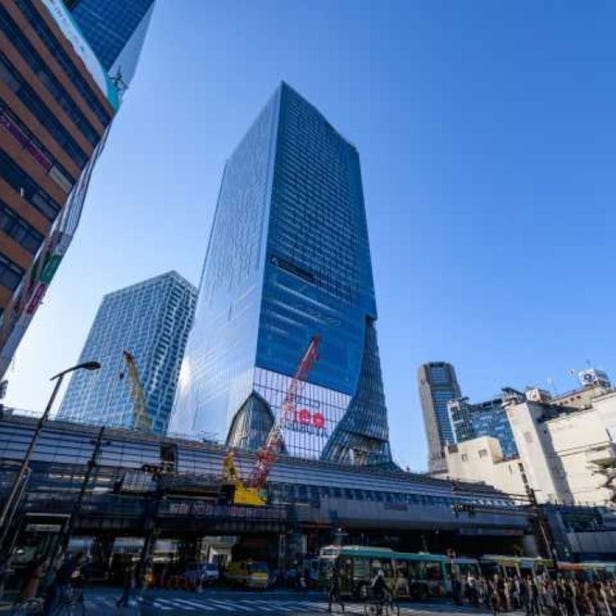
[137,483]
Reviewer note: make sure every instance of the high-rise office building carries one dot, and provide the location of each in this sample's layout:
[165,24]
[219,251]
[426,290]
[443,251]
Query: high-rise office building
[437,386]
[57,102]
[150,320]
[288,258]
[115,30]
[487,418]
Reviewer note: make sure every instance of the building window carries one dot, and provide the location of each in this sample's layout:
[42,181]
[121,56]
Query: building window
[464,457]
[54,87]
[483,453]
[11,77]
[18,229]
[10,273]
[23,184]
[63,59]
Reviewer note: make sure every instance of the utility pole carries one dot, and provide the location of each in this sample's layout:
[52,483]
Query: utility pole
[12,502]
[544,527]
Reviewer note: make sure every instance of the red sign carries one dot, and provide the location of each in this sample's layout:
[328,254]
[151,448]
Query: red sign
[36,298]
[306,418]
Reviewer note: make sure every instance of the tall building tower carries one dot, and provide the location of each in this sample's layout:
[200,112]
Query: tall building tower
[57,102]
[116,31]
[288,258]
[150,320]
[437,385]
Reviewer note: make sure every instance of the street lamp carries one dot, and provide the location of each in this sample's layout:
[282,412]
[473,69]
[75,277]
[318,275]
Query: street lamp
[15,489]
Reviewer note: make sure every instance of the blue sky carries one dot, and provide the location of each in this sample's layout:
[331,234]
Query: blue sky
[486,132]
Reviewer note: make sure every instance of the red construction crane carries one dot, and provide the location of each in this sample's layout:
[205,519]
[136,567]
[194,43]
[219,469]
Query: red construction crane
[268,454]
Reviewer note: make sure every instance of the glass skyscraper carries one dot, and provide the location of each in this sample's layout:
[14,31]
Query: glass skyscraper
[150,320]
[115,29]
[438,385]
[288,258]
[487,418]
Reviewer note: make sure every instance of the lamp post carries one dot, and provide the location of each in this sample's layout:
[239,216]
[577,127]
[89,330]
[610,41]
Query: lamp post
[12,500]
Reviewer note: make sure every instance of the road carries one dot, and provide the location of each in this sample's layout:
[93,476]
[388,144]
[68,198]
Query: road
[214,602]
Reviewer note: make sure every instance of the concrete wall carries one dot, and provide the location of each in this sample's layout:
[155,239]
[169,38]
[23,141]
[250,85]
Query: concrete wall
[481,459]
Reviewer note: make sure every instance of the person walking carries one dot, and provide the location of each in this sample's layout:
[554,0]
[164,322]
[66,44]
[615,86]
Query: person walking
[534,607]
[493,596]
[32,577]
[334,589]
[129,585]
[68,571]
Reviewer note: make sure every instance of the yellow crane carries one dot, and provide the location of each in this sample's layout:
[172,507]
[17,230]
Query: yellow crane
[242,494]
[141,419]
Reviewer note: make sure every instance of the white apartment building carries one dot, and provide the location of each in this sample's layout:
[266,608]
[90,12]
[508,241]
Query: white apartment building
[565,453]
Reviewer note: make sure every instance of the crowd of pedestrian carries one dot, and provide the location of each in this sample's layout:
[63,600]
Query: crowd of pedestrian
[537,595]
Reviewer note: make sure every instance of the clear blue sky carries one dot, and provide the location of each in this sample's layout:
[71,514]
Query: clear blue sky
[486,132]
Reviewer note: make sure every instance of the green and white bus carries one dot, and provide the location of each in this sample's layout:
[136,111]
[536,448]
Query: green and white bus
[410,575]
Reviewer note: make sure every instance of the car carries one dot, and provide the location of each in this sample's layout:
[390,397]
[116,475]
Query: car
[249,574]
[211,573]
[204,573]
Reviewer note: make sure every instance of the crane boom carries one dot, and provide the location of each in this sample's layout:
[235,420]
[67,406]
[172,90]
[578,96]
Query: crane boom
[141,419]
[268,454]
[299,380]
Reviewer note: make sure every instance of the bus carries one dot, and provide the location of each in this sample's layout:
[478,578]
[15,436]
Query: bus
[418,575]
[588,571]
[514,566]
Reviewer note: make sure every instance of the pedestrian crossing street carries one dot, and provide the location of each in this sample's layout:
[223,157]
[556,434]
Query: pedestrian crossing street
[238,605]
[229,606]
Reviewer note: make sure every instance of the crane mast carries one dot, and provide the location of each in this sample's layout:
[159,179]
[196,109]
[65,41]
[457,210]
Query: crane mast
[141,420]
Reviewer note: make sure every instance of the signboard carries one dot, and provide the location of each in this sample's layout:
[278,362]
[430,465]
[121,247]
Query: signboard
[71,31]
[50,269]
[308,418]
[60,179]
[7,122]
[501,532]
[36,298]
[226,512]
[307,421]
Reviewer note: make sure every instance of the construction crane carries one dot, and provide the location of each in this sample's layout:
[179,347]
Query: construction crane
[249,492]
[141,419]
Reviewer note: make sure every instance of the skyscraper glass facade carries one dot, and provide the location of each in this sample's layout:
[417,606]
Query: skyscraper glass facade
[483,419]
[150,320]
[115,29]
[438,385]
[288,258]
